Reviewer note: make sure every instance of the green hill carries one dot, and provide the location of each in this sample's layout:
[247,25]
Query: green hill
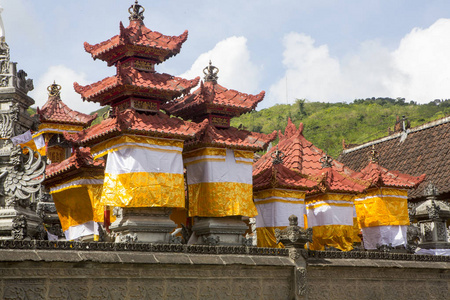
[327,124]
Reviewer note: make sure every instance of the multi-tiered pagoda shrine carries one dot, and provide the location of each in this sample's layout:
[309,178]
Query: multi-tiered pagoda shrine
[219,160]
[143,145]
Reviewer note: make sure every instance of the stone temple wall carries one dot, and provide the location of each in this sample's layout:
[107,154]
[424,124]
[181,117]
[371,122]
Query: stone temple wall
[73,270]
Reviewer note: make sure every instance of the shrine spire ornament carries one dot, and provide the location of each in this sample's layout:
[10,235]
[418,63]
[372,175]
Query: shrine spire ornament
[54,90]
[136,14]
[277,157]
[211,73]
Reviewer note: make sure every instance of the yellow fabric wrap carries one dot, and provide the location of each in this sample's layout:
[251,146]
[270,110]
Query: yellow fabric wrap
[278,193]
[356,231]
[141,189]
[330,196]
[205,151]
[337,236]
[74,207]
[56,128]
[382,207]
[130,141]
[266,237]
[221,199]
[243,154]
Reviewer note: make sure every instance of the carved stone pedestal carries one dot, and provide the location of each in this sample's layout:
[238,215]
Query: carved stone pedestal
[220,231]
[146,225]
[20,223]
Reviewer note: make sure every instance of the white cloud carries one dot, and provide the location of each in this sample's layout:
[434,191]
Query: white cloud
[236,70]
[419,69]
[65,77]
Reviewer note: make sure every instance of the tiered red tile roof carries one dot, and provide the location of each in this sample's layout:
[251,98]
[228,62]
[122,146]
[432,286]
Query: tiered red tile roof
[211,97]
[137,40]
[419,150]
[278,176]
[131,122]
[81,158]
[56,111]
[382,177]
[129,81]
[303,157]
[231,138]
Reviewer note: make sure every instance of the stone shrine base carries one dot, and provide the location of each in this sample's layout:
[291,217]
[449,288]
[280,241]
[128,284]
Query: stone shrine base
[71,270]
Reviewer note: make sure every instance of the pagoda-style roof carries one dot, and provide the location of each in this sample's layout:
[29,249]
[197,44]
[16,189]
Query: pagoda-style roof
[231,138]
[56,111]
[212,98]
[80,161]
[301,156]
[278,176]
[137,40]
[378,176]
[132,82]
[131,122]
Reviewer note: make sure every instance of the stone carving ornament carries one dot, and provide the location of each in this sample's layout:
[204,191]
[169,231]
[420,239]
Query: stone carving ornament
[21,180]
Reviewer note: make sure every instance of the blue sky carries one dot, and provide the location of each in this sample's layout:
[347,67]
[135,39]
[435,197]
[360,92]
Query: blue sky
[319,50]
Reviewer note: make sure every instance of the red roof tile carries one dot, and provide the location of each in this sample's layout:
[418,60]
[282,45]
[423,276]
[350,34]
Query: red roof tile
[420,150]
[56,111]
[212,97]
[278,176]
[137,40]
[81,158]
[132,122]
[230,138]
[302,156]
[382,177]
[129,81]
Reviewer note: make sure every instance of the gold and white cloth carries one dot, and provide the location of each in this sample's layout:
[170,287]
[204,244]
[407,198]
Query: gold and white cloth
[383,217]
[78,205]
[219,182]
[274,208]
[331,217]
[142,172]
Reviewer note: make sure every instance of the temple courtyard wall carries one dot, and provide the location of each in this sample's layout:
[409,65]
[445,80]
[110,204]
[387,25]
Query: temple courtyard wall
[71,270]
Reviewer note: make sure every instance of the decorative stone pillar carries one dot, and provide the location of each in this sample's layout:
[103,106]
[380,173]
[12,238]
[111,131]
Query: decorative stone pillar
[432,215]
[146,225]
[294,239]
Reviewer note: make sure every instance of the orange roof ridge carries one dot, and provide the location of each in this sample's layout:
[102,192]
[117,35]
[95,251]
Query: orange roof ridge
[131,122]
[56,111]
[214,98]
[278,176]
[135,38]
[377,176]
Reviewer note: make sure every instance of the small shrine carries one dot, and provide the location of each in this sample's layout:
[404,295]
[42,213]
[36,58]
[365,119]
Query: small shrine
[76,186]
[55,119]
[142,145]
[382,210]
[327,198]
[219,160]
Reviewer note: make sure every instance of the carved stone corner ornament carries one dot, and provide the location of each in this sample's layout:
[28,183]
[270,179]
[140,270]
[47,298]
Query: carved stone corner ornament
[19,227]
[294,236]
[301,281]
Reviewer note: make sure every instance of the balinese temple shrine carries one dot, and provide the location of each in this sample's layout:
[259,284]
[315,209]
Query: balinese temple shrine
[56,118]
[323,200]
[142,146]
[382,210]
[219,160]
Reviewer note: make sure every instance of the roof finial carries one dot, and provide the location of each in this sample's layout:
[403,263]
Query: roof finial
[326,161]
[135,12]
[54,90]
[277,157]
[373,155]
[211,73]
